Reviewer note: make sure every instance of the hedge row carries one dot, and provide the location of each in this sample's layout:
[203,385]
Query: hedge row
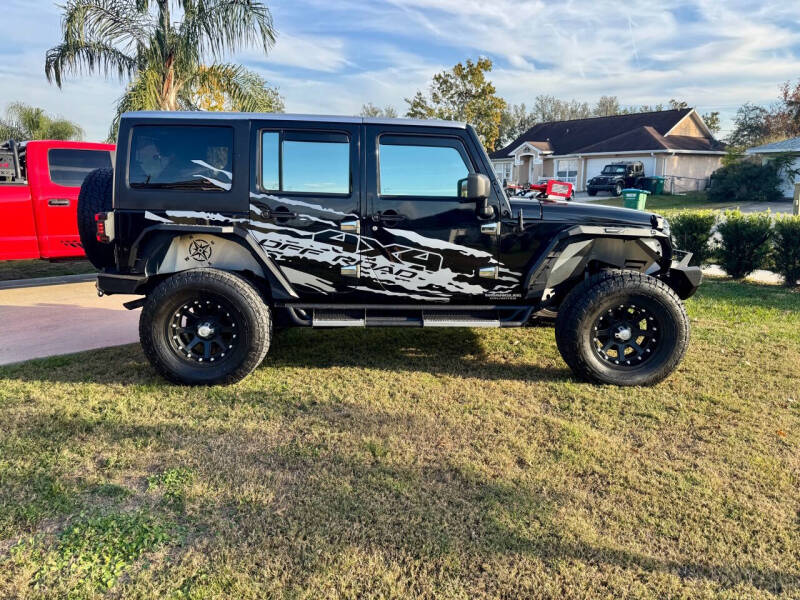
[744,242]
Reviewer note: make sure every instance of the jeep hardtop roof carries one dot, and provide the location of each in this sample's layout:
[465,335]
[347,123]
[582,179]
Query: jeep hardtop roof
[244,116]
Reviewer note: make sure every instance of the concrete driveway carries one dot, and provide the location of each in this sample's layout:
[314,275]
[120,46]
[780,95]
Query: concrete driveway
[48,320]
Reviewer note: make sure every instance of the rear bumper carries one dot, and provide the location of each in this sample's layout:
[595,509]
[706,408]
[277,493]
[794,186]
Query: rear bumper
[115,283]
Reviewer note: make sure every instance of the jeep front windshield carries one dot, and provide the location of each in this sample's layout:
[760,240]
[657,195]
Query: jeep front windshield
[614,170]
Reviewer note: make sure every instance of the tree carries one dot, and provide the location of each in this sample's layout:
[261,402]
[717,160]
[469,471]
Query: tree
[750,127]
[463,94]
[677,104]
[169,61]
[783,120]
[370,110]
[25,122]
[209,96]
[548,108]
[607,106]
[712,122]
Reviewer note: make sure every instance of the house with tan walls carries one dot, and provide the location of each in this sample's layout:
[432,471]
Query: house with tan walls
[674,144]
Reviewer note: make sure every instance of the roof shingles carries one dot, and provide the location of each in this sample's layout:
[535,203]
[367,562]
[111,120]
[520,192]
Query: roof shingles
[618,133]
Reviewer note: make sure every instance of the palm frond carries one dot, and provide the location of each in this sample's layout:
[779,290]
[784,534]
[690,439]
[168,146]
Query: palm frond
[217,27]
[90,55]
[115,22]
[242,89]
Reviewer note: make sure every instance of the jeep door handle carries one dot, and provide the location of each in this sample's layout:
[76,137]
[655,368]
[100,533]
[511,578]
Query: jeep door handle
[281,213]
[388,217]
[58,202]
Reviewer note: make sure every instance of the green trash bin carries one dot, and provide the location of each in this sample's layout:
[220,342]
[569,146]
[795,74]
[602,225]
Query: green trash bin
[657,185]
[633,198]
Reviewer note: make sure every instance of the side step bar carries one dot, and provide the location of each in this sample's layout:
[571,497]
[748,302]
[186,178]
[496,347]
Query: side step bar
[310,315]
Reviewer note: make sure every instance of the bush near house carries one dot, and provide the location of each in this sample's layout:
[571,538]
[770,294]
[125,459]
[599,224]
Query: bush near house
[691,231]
[787,249]
[745,181]
[745,238]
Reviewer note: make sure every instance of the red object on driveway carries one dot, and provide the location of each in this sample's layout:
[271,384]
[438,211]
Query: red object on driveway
[39,186]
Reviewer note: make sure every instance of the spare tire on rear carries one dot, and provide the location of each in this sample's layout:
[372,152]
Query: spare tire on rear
[95,197]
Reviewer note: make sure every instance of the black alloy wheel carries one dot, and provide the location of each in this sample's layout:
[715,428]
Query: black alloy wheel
[626,335]
[204,330]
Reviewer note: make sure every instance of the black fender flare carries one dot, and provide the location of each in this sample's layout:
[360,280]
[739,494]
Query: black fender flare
[158,238]
[538,277]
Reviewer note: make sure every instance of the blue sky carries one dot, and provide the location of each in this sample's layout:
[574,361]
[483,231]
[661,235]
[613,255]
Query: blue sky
[333,56]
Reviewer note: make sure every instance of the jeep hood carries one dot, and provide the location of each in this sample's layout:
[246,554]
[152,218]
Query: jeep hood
[582,213]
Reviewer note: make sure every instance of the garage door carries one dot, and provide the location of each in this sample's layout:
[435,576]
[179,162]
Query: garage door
[595,165]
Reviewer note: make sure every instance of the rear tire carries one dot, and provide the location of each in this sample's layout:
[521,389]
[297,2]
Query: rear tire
[95,197]
[622,328]
[205,327]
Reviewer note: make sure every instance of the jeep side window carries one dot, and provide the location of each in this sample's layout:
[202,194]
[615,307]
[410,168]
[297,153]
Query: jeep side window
[305,162]
[431,167]
[181,158]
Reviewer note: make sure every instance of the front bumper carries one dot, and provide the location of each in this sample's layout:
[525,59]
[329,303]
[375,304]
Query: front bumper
[683,278]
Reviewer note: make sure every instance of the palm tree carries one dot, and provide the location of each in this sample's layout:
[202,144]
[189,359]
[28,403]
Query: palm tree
[169,50]
[26,122]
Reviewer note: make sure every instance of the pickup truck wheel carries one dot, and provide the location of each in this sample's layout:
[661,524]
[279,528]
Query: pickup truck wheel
[95,197]
[622,328]
[205,327]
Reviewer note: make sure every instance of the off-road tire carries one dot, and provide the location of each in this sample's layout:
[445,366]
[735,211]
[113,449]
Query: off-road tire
[618,189]
[249,312]
[95,197]
[604,291]
[592,192]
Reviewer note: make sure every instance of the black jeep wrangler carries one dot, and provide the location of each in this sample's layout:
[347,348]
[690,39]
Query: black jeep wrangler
[230,225]
[615,177]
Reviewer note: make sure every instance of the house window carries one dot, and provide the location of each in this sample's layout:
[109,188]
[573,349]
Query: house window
[503,170]
[567,170]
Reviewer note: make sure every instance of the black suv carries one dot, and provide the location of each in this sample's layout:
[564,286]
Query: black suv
[615,177]
[232,225]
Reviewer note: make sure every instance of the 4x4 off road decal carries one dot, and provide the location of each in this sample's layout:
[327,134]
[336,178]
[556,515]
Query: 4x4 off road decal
[419,271]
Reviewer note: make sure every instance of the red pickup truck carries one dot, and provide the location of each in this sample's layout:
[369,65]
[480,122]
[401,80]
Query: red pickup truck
[39,186]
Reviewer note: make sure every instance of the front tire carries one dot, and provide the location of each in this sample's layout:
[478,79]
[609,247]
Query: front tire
[205,327]
[618,189]
[592,192]
[622,328]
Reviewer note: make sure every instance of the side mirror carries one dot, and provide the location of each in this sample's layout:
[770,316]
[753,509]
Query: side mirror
[477,189]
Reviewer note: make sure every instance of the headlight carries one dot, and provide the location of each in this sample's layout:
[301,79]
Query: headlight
[664,225]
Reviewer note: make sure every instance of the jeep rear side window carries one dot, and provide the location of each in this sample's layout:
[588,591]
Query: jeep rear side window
[421,168]
[305,162]
[70,167]
[181,158]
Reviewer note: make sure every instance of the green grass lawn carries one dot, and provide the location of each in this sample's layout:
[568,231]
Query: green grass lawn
[696,201]
[28,269]
[413,463]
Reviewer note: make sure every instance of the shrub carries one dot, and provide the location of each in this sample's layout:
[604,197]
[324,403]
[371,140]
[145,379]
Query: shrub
[745,238]
[787,249]
[745,181]
[691,231]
